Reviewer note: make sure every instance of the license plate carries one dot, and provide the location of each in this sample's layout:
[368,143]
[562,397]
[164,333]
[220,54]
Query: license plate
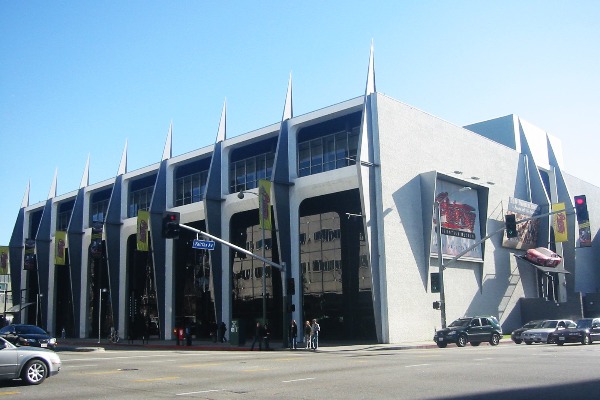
[44,345]
[561,338]
[440,339]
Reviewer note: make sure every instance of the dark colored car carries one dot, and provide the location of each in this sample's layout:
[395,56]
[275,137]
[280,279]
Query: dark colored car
[472,330]
[586,331]
[516,334]
[28,335]
[30,364]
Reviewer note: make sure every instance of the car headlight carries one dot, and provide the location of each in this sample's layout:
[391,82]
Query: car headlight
[52,341]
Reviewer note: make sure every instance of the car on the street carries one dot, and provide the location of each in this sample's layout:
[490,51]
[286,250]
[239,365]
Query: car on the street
[541,334]
[33,365]
[516,334]
[28,335]
[543,257]
[586,332]
[472,330]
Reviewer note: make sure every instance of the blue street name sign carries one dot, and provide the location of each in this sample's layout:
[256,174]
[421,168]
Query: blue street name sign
[203,244]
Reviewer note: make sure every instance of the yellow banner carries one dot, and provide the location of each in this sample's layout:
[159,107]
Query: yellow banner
[60,248]
[143,222]
[559,223]
[4,263]
[264,204]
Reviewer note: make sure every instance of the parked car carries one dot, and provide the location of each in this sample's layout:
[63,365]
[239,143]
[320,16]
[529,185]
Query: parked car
[472,330]
[540,335]
[516,334]
[586,332]
[28,335]
[31,364]
[543,257]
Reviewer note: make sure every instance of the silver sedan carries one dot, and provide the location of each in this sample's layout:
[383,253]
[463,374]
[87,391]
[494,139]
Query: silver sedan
[33,365]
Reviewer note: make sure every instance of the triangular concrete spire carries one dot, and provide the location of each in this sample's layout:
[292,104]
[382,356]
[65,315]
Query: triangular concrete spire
[288,110]
[123,164]
[25,202]
[168,151]
[371,74]
[52,192]
[85,179]
[222,132]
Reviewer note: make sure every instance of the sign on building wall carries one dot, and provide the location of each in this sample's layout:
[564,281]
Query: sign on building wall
[459,221]
[143,219]
[4,266]
[527,231]
[60,247]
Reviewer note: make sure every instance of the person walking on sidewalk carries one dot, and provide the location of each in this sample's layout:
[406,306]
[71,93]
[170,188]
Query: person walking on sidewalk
[258,337]
[315,329]
[293,334]
[307,335]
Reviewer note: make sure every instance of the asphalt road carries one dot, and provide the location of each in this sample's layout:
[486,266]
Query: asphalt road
[505,372]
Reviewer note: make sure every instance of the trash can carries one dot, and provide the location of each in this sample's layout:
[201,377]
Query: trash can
[236,333]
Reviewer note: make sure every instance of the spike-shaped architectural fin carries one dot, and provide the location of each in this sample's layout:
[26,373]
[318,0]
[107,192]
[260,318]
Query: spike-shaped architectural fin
[288,109]
[85,179]
[370,87]
[168,151]
[52,192]
[123,164]
[25,201]
[222,132]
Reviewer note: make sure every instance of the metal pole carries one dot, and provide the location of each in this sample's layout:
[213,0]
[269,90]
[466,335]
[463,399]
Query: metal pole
[99,312]
[441,264]
[264,278]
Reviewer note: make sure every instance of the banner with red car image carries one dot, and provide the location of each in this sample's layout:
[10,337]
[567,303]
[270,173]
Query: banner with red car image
[460,224]
[528,231]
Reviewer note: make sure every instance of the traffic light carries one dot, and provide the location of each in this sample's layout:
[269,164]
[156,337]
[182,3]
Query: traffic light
[170,225]
[581,209]
[510,222]
[435,282]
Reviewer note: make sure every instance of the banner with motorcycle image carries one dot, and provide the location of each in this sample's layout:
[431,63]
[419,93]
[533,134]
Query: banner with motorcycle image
[528,230]
[143,222]
[4,263]
[60,248]
[559,222]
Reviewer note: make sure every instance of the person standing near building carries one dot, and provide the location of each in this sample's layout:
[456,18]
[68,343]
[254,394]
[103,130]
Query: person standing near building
[258,336]
[315,329]
[293,334]
[267,332]
[307,335]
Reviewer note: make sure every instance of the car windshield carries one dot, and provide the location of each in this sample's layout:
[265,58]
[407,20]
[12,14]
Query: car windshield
[549,324]
[29,329]
[461,322]
[584,323]
[532,324]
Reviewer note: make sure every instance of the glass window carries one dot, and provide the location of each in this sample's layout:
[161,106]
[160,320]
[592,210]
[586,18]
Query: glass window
[190,188]
[328,152]
[245,174]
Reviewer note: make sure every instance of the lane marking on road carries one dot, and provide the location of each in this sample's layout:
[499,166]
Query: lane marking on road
[8,393]
[257,369]
[201,391]
[416,365]
[113,358]
[203,365]
[164,378]
[482,359]
[298,380]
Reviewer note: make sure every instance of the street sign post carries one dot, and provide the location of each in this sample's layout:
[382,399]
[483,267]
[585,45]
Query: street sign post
[203,244]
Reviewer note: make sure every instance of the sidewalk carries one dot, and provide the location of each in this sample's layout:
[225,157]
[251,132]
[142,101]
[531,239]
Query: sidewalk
[88,344]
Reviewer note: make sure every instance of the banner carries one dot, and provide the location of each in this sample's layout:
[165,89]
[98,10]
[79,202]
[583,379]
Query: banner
[4,264]
[60,247]
[143,219]
[264,204]
[528,231]
[559,223]
[459,210]
[30,262]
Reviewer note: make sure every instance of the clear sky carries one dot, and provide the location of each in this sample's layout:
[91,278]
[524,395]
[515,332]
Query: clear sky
[80,78]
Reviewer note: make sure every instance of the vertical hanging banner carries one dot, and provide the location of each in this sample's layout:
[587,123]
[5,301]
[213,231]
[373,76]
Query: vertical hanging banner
[60,247]
[264,204]
[30,262]
[143,219]
[559,222]
[4,266]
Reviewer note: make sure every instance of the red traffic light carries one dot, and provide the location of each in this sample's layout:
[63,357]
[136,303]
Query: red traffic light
[579,201]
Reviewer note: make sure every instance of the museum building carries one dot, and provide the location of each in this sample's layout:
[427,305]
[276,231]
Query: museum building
[352,192]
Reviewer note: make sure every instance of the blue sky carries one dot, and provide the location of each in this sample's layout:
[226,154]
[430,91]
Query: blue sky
[81,78]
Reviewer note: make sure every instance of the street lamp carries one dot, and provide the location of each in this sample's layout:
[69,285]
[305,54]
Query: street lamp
[103,290]
[264,276]
[440,259]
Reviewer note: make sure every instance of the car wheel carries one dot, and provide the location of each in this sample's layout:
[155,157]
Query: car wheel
[34,372]
[560,343]
[528,342]
[585,340]
[518,341]
[442,345]
[462,341]
[495,339]
[475,344]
